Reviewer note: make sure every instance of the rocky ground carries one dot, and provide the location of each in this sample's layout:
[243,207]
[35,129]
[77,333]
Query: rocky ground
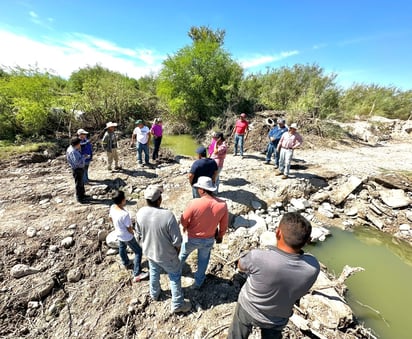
[59,279]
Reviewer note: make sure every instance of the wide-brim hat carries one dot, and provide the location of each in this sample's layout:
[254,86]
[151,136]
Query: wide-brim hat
[294,126]
[205,183]
[111,124]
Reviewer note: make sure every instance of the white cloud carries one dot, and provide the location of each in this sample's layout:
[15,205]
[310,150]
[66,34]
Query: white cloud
[260,60]
[73,52]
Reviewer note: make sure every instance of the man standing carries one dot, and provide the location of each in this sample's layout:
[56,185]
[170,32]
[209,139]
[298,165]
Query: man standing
[241,131]
[277,278]
[86,151]
[109,143]
[274,136]
[202,167]
[161,240]
[141,135]
[287,143]
[204,220]
[76,162]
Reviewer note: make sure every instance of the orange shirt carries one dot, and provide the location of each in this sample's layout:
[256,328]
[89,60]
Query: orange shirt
[203,215]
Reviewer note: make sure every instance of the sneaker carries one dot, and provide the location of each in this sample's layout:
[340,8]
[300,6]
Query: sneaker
[276,166]
[141,276]
[266,162]
[185,307]
[284,177]
[118,168]
[279,173]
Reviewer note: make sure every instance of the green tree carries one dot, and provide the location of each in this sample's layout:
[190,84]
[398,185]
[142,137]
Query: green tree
[104,95]
[366,100]
[200,81]
[27,97]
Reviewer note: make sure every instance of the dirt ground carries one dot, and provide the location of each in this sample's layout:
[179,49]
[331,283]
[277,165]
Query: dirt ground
[82,291]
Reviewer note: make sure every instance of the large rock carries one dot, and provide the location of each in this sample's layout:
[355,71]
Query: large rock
[393,181]
[112,241]
[326,305]
[21,270]
[394,198]
[339,194]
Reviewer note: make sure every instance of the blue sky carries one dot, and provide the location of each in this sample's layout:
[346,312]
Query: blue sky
[362,41]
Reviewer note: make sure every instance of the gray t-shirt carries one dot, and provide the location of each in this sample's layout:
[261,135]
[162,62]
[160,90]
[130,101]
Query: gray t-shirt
[276,280]
[160,235]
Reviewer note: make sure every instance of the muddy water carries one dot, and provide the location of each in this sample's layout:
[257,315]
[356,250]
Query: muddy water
[180,144]
[381,295]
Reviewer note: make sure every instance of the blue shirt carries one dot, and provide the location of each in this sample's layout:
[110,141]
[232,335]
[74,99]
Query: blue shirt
[74,158]
[86,149]
[276,133]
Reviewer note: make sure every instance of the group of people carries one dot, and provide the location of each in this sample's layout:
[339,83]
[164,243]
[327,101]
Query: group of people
[277,276]
[205,220]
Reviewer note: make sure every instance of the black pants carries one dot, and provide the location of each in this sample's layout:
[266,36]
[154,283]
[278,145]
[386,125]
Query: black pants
[78,180]
[157,141]
[242,324]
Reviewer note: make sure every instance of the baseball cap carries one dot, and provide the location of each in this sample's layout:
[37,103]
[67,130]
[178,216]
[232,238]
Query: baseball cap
[81,131]
[139,121]
[153,192]
[243,115]
[201,150]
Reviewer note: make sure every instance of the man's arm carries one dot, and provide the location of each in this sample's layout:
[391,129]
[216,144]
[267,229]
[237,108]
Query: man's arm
[133,141]
[214,175]
[191,177]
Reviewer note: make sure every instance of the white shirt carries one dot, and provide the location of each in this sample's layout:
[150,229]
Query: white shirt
[121,221]
[142,134]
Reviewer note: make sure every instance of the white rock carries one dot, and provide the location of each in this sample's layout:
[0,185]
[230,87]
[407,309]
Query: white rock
[21,270]
[319,234]
[325,212]
[404,227]
[300,203]
[112,251]
[44,201]
[268,238]
[67,242]
[31,232]
[53,248]
[112,241]
[58,200]
[72,227]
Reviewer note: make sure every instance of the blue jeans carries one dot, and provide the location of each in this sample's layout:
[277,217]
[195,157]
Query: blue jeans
[134,246]
[175,284]
[195,193]
[285,160]
[242,324]
[203,246]
[239,141]
[142,148]
[219,169]
[272,150]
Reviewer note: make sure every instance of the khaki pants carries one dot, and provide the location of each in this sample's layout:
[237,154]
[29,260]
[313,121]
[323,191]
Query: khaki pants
[112,156]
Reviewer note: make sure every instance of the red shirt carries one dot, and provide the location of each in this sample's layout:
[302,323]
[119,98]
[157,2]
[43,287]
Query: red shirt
[202,216]
[241,127]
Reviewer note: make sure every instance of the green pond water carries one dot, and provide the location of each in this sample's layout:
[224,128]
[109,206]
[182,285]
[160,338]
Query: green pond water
[180,144]
[385,285]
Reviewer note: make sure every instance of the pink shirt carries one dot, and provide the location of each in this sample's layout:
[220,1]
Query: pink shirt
[157,130]
[221,154]
[289,140]
[241,127]
[202,216]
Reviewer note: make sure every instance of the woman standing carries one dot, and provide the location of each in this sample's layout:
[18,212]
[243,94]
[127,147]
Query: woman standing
[157,132]
[219,154]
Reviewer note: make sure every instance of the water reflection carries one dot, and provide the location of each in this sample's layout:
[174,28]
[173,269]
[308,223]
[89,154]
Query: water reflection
[380,296]
[183,144]
[374,237]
